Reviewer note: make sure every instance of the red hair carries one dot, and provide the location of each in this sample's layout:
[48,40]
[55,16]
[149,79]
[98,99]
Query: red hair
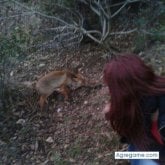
[129,79]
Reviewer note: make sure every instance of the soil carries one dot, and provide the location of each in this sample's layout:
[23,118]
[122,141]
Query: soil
[66,132]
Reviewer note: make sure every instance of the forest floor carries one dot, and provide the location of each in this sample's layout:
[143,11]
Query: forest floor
[66,132]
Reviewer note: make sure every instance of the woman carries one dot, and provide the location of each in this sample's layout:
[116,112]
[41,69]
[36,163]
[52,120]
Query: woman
[137,107]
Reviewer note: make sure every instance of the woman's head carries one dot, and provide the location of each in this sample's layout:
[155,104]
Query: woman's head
[129,79]
[128,73]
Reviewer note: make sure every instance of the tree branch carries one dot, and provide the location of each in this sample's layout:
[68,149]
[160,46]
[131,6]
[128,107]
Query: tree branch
[124,32]
[42,14]
[124,4]
[17,15]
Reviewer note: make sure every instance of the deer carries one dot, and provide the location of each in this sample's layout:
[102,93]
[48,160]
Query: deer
[61,81]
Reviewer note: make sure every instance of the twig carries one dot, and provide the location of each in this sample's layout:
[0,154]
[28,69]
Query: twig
[124,32]
[17,15]
[124,4]
[42,14]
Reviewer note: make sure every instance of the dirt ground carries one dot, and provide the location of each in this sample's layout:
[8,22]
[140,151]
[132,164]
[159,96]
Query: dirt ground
[66,132]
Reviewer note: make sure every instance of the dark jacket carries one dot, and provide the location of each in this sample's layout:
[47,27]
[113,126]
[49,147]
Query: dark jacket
[149,105]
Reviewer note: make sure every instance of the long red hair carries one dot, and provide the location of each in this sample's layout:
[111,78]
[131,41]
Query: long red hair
[129,79]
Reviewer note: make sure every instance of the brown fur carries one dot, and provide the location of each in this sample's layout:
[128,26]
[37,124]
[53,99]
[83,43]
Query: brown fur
[57,81]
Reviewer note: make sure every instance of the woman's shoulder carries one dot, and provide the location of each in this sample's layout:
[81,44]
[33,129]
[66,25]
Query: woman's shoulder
[161,102]
[152,98]
[162,96]
[149,103]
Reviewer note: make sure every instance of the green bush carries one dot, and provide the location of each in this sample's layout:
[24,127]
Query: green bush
[151,24]
[8,47]
[158,34]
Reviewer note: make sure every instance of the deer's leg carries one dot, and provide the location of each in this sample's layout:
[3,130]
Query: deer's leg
[42,101]
[64,90]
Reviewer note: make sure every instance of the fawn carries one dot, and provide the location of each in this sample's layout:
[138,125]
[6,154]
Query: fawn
[59,81]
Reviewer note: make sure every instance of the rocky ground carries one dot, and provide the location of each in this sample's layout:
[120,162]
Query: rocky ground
[67,132]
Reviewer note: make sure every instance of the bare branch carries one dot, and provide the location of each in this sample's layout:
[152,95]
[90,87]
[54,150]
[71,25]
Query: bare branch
[124,4]
[94,9]
[117,12]
[121,3]
[17,15]
[106,32]
[70,30]
[42,14]
[152,34]
[102,9]
[58,29]
[3,1]
[88,33]
[124,32]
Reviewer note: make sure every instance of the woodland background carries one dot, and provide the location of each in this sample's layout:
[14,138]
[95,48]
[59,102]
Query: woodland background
[40,36]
